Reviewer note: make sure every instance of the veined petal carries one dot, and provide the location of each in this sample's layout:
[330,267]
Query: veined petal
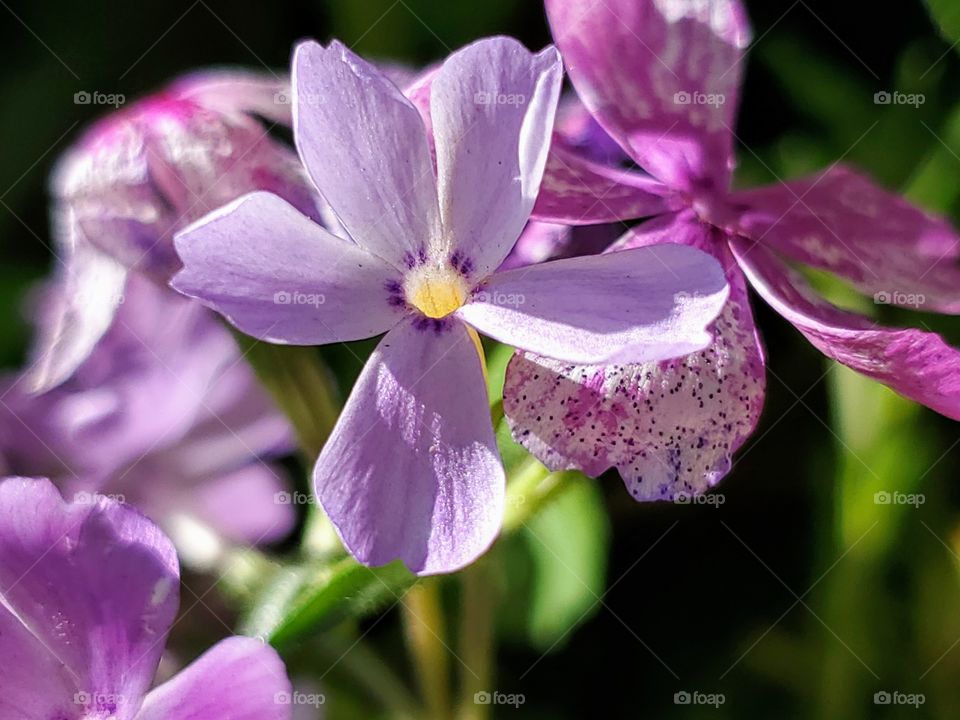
[411,470]
[661,76]
[280,277]
[840,221]
[579,191]
[365,147]
[636,305]
[670,428]
[918,365]
[492,105]
[97,586]
[239,678]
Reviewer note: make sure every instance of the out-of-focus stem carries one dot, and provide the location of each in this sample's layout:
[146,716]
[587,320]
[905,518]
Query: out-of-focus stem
[426,633]
[529,489]
[477,605]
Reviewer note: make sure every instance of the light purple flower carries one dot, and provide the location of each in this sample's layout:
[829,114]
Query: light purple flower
[662,78]
[90,593]
[140,174]
[411,470]
[164,414]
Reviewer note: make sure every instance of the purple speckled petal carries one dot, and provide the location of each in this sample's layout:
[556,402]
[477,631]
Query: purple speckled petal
[669,427]
[239,678]
[841,221]
[365,146]
[411,470]
[918,365]
[578,191]
[661,76]
[280,277]
[97,586]
[633,306]
[492,106]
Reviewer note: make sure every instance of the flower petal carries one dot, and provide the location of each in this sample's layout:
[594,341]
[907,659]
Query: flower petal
[411,470]
[669,427]
[239,678]
[661,76]
[840,221]
[492,106]
[633,306]
[578,191]
[365,147]
[78,311]
[280,277]
[918,365]
[97,585]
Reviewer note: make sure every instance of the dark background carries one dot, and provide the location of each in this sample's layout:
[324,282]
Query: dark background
[883,610]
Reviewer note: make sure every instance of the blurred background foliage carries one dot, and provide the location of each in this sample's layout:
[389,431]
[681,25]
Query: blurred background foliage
[799,597]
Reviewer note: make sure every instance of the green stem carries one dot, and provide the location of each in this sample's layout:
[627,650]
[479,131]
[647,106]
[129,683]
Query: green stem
[426,633]
[530,489]
[478,602]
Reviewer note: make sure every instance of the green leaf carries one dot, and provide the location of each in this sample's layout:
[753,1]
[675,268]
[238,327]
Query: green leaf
[946,15]
[303,600]
[557,566]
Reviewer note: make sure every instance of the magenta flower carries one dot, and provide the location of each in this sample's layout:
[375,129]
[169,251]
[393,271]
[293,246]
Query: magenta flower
[411,470]
[164,414]
[90,593]
[136,177]
[662,78]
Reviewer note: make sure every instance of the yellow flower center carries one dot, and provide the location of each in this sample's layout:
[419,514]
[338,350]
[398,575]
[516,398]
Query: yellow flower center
[436,292]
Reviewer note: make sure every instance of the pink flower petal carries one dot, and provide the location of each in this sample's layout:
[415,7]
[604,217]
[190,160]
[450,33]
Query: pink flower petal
[917,364]
[840,221]
[661,76]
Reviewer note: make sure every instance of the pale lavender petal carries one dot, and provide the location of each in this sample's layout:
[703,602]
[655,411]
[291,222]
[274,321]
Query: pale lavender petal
[411,470]
[661,76]
[78,310]
[918,365]
[239,678]
[578,191]
[840,221]
[280,277]
[492,105]
[96,583]
[632,306]
[366,149]
[669,428]
[265,94]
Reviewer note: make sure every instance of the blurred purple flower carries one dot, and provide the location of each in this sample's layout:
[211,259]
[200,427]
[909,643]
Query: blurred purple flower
[164,414]
[90,592]
[137,176]
[411,469]
[663,78]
